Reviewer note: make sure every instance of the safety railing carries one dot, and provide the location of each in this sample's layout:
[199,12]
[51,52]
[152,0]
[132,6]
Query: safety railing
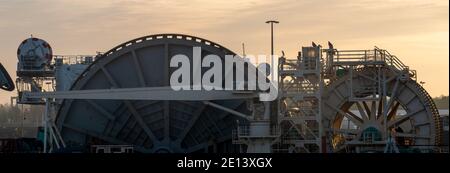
[357,56]
[375,56]
[73,59]
[290,64]
[393,60]
[301,87]
[294,64]
[245,131]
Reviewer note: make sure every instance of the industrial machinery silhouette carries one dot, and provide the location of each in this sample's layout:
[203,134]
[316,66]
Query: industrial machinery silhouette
[5,80]
[329,101]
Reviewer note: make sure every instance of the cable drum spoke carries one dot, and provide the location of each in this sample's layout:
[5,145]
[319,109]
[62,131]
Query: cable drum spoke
[393,112]
[373,111]
[362,112]
[366,107]
[403,118]
[354,116]
[380,110]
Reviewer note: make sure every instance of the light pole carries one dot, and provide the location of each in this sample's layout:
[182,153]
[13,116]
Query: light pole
[271,22]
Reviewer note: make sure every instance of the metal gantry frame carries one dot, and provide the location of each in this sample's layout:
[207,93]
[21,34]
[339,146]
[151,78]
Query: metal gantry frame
[52,136]
[376,59]
[299,103]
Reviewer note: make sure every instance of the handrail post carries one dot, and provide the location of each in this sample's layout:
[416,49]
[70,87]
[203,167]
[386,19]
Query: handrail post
[365,55]
[375,54]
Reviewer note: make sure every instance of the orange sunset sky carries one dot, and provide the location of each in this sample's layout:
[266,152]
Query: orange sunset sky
[417,31]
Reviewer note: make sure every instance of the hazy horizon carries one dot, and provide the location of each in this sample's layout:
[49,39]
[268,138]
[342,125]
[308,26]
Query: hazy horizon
[416,31]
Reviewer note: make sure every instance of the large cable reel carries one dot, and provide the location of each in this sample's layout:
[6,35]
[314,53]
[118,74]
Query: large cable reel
[354,112]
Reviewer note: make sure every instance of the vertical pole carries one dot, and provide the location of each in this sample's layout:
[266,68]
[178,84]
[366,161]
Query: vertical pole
[45,123]
[268,107]
[321,137]
[272,52]
[271,38]
[351,82]
[23,119]
[272,68]
[379,84]
[271,22]
[387,132]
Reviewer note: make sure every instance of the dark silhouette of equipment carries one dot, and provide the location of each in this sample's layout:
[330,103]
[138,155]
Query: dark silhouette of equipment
[5,80]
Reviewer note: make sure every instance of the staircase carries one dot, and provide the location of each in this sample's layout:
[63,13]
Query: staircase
[395,64]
